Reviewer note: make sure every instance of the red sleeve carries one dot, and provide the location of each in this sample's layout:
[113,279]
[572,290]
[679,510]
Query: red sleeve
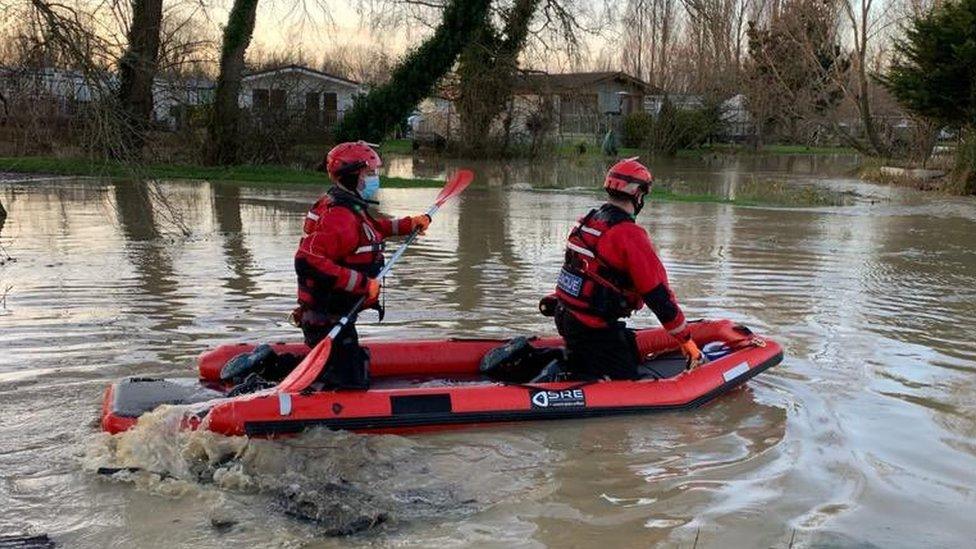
[333,239]
[388,226]
[649,277]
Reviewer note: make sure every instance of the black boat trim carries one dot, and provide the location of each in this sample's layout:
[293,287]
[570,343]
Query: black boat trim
[287,426]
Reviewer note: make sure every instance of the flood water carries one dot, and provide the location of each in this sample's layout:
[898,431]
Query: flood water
[864,436]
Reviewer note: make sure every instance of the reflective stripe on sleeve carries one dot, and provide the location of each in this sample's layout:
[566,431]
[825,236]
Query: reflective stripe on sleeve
[353,280]
[591,230]
[313,216]
[679,329]
[579,249]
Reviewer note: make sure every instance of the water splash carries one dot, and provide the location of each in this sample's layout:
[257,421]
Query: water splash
[339,482]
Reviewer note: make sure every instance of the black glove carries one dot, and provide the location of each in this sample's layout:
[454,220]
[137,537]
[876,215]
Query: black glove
[547,305]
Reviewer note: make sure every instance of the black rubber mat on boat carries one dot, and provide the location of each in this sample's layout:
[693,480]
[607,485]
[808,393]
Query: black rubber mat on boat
[663,367]
[136,396]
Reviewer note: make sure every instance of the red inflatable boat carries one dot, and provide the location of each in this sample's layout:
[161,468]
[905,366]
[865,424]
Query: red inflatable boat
[419,385]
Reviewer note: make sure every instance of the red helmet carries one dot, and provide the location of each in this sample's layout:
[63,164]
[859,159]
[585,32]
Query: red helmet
[629,178]
[351,158]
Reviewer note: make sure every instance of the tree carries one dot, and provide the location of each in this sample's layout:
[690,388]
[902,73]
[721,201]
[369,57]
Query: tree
[648,38]
[714,43]
[934,75]
[224,130]
[374,115]
[486,70]
[137,70]
[865,25]
[795,64]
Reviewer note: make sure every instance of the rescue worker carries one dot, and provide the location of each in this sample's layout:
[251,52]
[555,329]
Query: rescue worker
[339,256]
[610,271]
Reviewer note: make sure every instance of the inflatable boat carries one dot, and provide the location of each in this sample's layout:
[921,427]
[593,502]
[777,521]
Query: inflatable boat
[423,385]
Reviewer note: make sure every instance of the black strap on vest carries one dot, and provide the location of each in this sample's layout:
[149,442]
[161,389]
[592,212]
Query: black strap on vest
[615,217]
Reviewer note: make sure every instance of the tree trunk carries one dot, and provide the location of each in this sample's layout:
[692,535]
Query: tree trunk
[137,69]
[862,97]
[225,120]
[375,115]
[864,109]
[487,69]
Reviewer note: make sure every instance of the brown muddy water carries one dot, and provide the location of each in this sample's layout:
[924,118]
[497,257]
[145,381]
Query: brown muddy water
[864,436]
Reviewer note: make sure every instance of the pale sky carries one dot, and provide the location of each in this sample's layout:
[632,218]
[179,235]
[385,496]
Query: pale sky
[317,26]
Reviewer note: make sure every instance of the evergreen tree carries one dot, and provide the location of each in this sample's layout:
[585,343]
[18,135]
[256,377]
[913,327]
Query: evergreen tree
[934,72]
[934,76]
[378,112]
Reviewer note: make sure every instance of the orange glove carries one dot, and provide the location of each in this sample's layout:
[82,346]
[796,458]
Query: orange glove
[421,221]
[372,293]
[691,352]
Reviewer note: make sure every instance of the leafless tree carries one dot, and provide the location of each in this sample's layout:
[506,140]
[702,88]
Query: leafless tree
[865,20]
[648,37]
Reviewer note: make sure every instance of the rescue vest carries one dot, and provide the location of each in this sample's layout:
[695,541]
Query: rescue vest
[319,292]
[587,284]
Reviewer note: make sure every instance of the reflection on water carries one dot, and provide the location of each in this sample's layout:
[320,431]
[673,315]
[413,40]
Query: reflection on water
[785,179]
[865,434]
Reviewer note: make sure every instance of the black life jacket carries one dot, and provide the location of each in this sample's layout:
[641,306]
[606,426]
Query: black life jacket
[587,284]
[319,292]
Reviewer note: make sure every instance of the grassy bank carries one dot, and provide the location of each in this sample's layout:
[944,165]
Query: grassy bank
[871,170]
[265,174]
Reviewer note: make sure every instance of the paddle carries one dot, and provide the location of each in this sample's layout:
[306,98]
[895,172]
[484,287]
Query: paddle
[309,369]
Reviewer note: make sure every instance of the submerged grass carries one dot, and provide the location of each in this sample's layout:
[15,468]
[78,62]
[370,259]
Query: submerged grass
[755,193]
[591,149]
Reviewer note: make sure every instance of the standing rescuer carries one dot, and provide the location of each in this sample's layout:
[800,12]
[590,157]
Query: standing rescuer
[339,256]
[610,271]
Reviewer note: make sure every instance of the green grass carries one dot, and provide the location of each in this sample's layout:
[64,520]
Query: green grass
[396,146]
[667,195]
[264,174]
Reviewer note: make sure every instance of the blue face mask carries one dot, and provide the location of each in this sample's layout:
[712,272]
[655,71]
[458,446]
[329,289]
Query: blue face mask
[371,184]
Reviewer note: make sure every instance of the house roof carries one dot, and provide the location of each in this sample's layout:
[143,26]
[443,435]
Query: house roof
[302,70]
[535,81]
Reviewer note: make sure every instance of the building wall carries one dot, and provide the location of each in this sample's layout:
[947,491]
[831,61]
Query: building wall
[295,86]
[583,112]
[175,103]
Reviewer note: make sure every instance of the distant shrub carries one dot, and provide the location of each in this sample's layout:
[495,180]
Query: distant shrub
[637,129]
[675,129]
[964,171]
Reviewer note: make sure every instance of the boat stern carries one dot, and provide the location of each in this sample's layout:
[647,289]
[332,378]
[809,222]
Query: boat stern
[127,399]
